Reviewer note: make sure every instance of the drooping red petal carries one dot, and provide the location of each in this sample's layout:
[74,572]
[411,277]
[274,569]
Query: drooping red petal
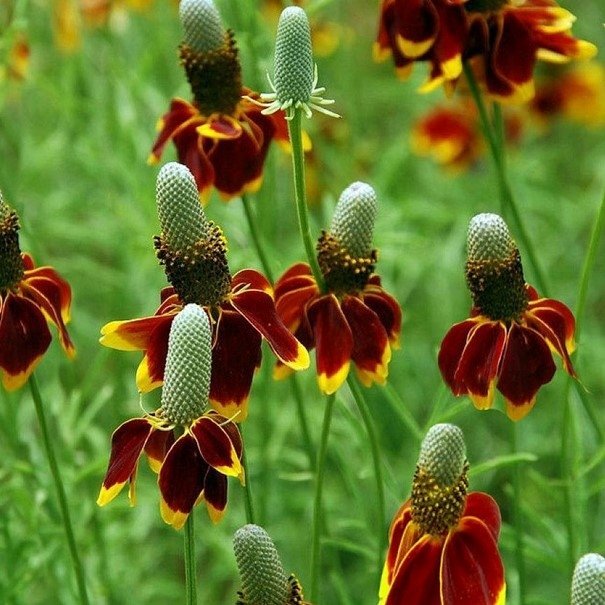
[181,480]
[451,351]
[24,338]
[480,362]
[400,521]
[132,334]
[127,443]
[472,570]
[484,507]
[157,447]
[215,494]
[291,305]
[296,270]
[259,309]
[235,356]
[416,580]
[220,127]
[418,25]
[180,112]
[333,342]
[250,279]
[388,311]
[215,445]
[371,350]
[150,373]
[527,364]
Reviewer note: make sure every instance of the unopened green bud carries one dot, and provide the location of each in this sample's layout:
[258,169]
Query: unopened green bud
[202,24]
[188,366]
[443,453]
[588,584]
[354,217]
[264,581]
[294,73]
[489,239]
[182,218]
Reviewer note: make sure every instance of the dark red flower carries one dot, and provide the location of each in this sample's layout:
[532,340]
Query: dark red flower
[239,323]
[30,298]
[501,39]
[460,566]
[191,469]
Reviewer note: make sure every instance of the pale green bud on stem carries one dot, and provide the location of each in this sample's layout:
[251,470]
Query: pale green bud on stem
[202,25]
[294,71]
[354,218]
[488,239]
[182,218]
[588,584]
[443,453]
[188,366]
[264,581]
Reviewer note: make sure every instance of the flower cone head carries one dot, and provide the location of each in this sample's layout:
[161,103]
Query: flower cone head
[11,264]
[264,581]
[192,249]
[345,253]
[202,25]
[188,364]
[440,482]
[588,584]
[494,272]
[294,72]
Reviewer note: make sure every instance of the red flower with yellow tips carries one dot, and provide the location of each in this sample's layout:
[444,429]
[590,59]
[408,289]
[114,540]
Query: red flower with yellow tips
[221,137]
[443,542]
[241,308]
[194,466]
[508,341]
[353,319]
[501,39]
[30,298]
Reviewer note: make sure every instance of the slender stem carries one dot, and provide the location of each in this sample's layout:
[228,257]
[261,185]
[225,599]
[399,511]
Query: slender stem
[247,491]
[298,166]
[189,546]
[362,406]
[518,494]
[317,507]
[302,418]
[256,237]
[54,468]
[507,199]
[399,407]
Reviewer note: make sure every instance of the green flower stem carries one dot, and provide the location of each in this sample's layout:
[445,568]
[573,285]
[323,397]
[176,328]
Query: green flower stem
[402,411]
[247,491]
[507,200]
[189,545]
[518,520]
[568,440]
[302,419]
[256,238]
[362,406]
[317,502]
[54,468]
[298,166]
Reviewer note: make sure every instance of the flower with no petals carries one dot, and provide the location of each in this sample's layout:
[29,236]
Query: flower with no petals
[508,341]
[30,298]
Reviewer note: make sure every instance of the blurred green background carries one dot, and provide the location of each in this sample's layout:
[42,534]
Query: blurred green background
[75,132]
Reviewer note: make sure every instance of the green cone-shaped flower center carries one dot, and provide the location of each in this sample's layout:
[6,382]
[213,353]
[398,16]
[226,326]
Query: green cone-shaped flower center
[192,249]
[440,481]
[264,581]
[294,72]
[202,25]
[188,365]
[11,263]
[494,273]
[588,584]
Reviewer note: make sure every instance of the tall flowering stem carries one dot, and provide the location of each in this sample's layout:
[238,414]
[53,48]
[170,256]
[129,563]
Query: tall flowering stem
[362,406]
[507,199]
[518,494]
[257,237]
[317,508]
[60,489]
[189,547]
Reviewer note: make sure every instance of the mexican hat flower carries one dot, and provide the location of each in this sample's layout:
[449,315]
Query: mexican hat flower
[443,541]
[30,298]
[264,581]
[351,319]
[220,136]
[588,583]
[501,40]
[507,342]
[241,307]
[192,449]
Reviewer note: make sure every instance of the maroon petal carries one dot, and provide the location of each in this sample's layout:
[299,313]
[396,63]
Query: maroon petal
[472,570]
[180,113]
[484,507]
[450,353]
[181,480]
[235,356]
[215,494]
[388,311]
[215,445]
[25,337]
[527,364]
[127,443]
[157,446]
